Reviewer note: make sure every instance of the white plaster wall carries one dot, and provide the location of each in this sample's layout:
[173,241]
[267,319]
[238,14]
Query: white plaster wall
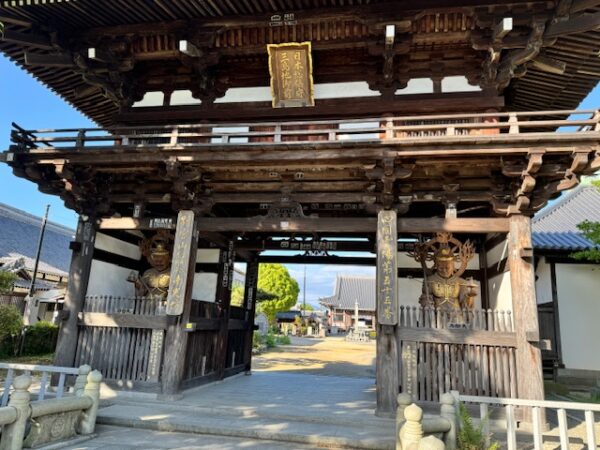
[109,279]
[207,255]
[116,246]
[578,289]
[205,287]
[543,282]
[500,293]
[497,253]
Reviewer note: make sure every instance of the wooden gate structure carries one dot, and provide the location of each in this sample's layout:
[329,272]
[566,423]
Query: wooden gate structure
[492,138]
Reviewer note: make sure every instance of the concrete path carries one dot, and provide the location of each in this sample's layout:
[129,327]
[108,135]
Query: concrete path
[120,438]
[321,411]
[329,356]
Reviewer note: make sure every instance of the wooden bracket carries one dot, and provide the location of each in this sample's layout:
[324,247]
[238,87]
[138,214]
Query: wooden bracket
[526,253]
[533,336]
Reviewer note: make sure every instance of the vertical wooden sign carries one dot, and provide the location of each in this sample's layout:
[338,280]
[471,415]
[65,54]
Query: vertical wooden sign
[290,67]
[387,268]
[184,235]
[409,368]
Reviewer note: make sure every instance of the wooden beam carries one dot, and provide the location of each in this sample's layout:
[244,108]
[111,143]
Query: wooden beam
[79,275]
[131,223]
[122,320]
[465,337]
[50,60]
[250,290]
[175,344]
[387,370]
[549,65]
[333,260]
[27,39]
[325,108]
[353,225]
[578,24]
[530,380]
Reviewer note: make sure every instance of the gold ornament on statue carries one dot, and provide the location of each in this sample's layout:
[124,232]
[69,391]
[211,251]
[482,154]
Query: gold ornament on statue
[154,283]
[443,286]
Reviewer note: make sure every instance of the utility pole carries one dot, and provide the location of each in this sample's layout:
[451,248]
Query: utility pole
[39,251]
[304,291]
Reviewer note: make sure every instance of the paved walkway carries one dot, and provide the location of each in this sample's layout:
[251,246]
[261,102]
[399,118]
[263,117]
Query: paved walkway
[329,356]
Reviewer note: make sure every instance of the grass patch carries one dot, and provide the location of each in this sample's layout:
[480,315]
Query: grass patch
[41,360]
[550,387]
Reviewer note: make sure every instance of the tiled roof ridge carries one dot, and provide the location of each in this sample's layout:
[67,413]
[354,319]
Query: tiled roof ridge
[563,202]
[31,219]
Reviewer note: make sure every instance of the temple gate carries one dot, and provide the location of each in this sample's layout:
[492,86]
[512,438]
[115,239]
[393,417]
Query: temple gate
[429,118]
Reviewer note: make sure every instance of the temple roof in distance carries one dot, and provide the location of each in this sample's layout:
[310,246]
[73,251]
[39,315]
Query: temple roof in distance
[350,289]
[555,227]
[19,234]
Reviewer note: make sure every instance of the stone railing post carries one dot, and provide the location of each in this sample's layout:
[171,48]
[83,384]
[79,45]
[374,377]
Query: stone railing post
[431,443]
[13,434]
[404,400]
[411,432]
[448,411]
[81,380]
[87,423]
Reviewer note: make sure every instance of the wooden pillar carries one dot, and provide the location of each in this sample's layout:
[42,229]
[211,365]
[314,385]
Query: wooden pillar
[530,382]
[250,306]
[224,283]
[79,275]
[387,313]
[179,302]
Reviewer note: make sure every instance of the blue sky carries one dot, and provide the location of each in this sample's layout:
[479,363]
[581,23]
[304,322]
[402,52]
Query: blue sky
[25,101]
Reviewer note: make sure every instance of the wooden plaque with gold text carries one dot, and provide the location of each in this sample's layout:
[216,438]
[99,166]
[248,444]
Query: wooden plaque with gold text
[290,66]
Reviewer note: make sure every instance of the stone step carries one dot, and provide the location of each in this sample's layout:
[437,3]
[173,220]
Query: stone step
[353,433]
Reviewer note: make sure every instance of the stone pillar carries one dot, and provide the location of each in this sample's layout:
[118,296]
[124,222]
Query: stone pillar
[79,275]
[411,433]
[179,302]
[87,425]
[250,306]
[448,410]
[81,380]
[530,382]
[387,313]
[13,434]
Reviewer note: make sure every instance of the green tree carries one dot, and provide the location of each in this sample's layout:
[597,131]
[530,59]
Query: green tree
[237,295]
[275,281]
[11,323]
[307,307]
[591,231]
[7,279]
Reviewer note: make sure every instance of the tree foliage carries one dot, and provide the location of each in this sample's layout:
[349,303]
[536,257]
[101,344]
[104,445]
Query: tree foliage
[7,279]
[237,295]
[275,281]
[11,322]
[591,231]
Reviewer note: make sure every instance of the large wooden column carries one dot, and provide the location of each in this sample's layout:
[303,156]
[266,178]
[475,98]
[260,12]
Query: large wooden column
[530,383]
[387,313]
[79,275]
[224,283]
[250,306]
[179,302]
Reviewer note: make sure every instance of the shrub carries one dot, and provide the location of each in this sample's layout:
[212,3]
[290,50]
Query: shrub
[11,324]
[471,437]
[270,340]
[40,338]
[283,340]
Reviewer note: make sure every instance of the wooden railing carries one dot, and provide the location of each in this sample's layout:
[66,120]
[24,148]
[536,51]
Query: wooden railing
[538,407]
[378,129]
[124,305]
[472,351]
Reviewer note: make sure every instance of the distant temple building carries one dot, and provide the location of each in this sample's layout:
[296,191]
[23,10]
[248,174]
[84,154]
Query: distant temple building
[349,292]
[19,234]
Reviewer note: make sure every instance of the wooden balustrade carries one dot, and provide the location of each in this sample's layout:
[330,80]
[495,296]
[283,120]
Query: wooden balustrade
[387,129]
[472,351]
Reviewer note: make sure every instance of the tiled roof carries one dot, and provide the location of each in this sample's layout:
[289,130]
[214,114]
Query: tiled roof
[19,233]
[348,290]
[555,227]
